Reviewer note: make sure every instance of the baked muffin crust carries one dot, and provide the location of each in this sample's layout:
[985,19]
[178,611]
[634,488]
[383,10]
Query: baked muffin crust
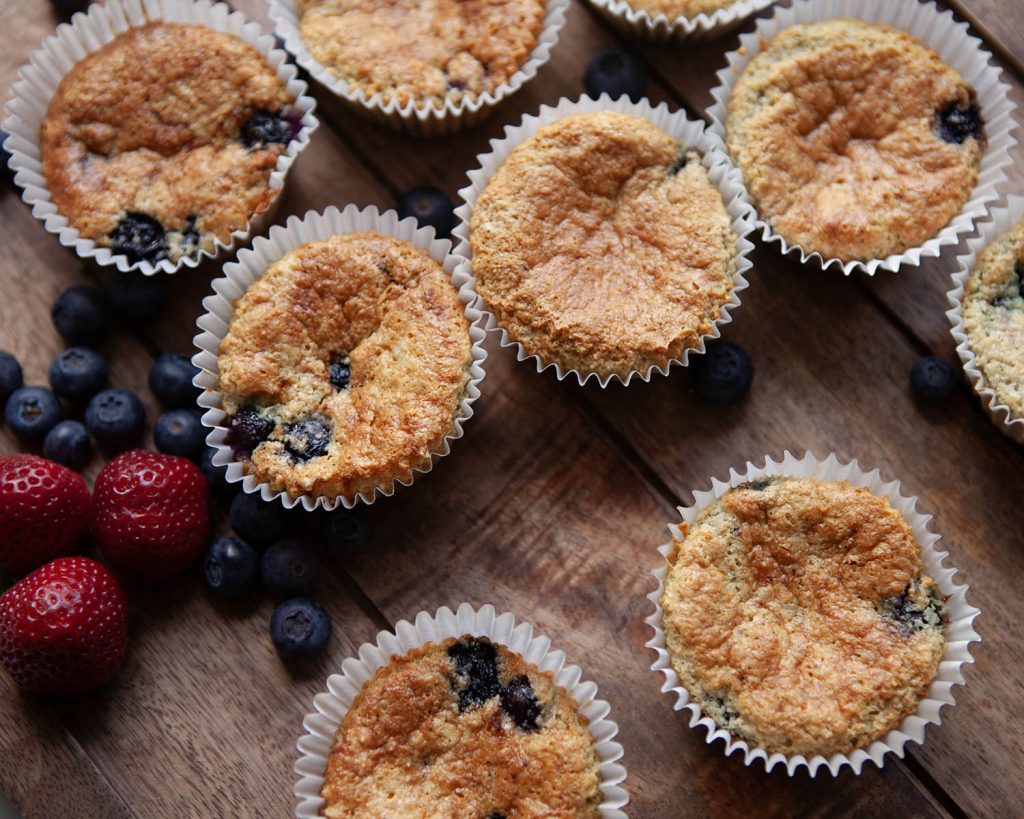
[680,8]
[462,728]
[993,305]
[855,140]
[164,140]
[344,365]
[411,51]
[601,246]
[798,615]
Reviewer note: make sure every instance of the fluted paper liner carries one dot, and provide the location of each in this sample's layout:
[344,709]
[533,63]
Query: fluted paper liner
[691,135]
[251,265]
[661,27]
[957,48]
[89,32]
[959,630]
[332,705]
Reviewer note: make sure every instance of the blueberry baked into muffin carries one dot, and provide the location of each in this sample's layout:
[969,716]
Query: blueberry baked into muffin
[462,728]
[993,309]
[409,51]
[799,617]
[163,141]
[343,366]
[855,140]
[602,245]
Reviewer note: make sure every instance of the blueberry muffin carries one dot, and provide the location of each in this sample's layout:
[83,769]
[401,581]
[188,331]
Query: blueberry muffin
[601,244]
[424,53]
[993,308]
[163,141]
[674,9]
[799,617]
[343,366]
[855,140]
[462,728]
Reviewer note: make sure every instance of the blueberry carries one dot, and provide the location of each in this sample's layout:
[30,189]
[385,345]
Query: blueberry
[476,672]
[430,207]
[79,314]
[134,295]
[264,128]
[190,237]
[116,418]
[933,379]
[68,443]
[216,476]
[520,703]
[170,380]
[32,411]
[616,72]
[307,439]
[757,485]
[345,531]
[231,566]
[289,568]
[10,375]
[905,615]
[339,373]
[78,373]
[724,374]
[139,237]
[247,430]
[179,432]
[257,521]
[299,628]
[958,123]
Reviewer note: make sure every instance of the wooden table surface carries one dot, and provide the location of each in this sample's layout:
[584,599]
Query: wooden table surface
[551,507]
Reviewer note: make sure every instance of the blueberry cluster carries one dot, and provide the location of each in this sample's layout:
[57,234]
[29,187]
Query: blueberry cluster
[476,681]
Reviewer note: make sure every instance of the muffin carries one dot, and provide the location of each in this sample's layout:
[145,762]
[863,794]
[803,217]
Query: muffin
[602,245]
[680,8]
[421,53]
[993,317]
[463,728]
[164,140]
[799,617]
[343,366]
[855,140]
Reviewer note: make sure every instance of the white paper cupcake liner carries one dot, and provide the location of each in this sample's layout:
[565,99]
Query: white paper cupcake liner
[331,706]
[660,27]
[88,33]
[957,48]
[960,631]
[1003,219]
[422,118]
[690,134]
[251,265]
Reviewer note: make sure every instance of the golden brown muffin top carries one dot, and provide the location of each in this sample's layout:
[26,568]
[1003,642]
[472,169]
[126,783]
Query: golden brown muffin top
[154,124]
[680,8]
[343,366]
[855,140]
[798,615]
[601,246]
[462,728]
[407,50]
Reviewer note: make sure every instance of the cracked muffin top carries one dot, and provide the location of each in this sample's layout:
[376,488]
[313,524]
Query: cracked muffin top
[680,8]
[799,617]
[855,140]
[344,365]
[410,51]
[462,728]
[993,305]
[163,141]
[601,244]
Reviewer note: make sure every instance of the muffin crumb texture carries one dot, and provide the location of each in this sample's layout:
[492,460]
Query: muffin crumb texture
[673,9]
[799,617]
[462,728]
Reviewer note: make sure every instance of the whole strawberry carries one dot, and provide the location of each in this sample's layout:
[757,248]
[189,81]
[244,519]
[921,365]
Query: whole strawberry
[44,512]
[63,628]
[150,514]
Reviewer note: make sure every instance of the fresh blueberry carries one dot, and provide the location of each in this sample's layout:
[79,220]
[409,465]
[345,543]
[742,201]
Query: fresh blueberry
[216,476]
[32,411]
[68,443]
[79,314]
[116,418]
[476,672]
[170,379]
[299,628]
[264,128]
[724,374]
[307,439]
[933,379]
[10,375]
[957,123]
[289,568]
[134,295]
[247,430]
[179,432]
[78,373]
[616,72]
[430,207]
[256,520]
[345,531]
[339,373]
[231,566]
[520,703]
[139,237]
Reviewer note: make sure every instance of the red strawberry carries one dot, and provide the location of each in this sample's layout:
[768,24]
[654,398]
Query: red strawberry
[44,512]
[63,629]
[150,514]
